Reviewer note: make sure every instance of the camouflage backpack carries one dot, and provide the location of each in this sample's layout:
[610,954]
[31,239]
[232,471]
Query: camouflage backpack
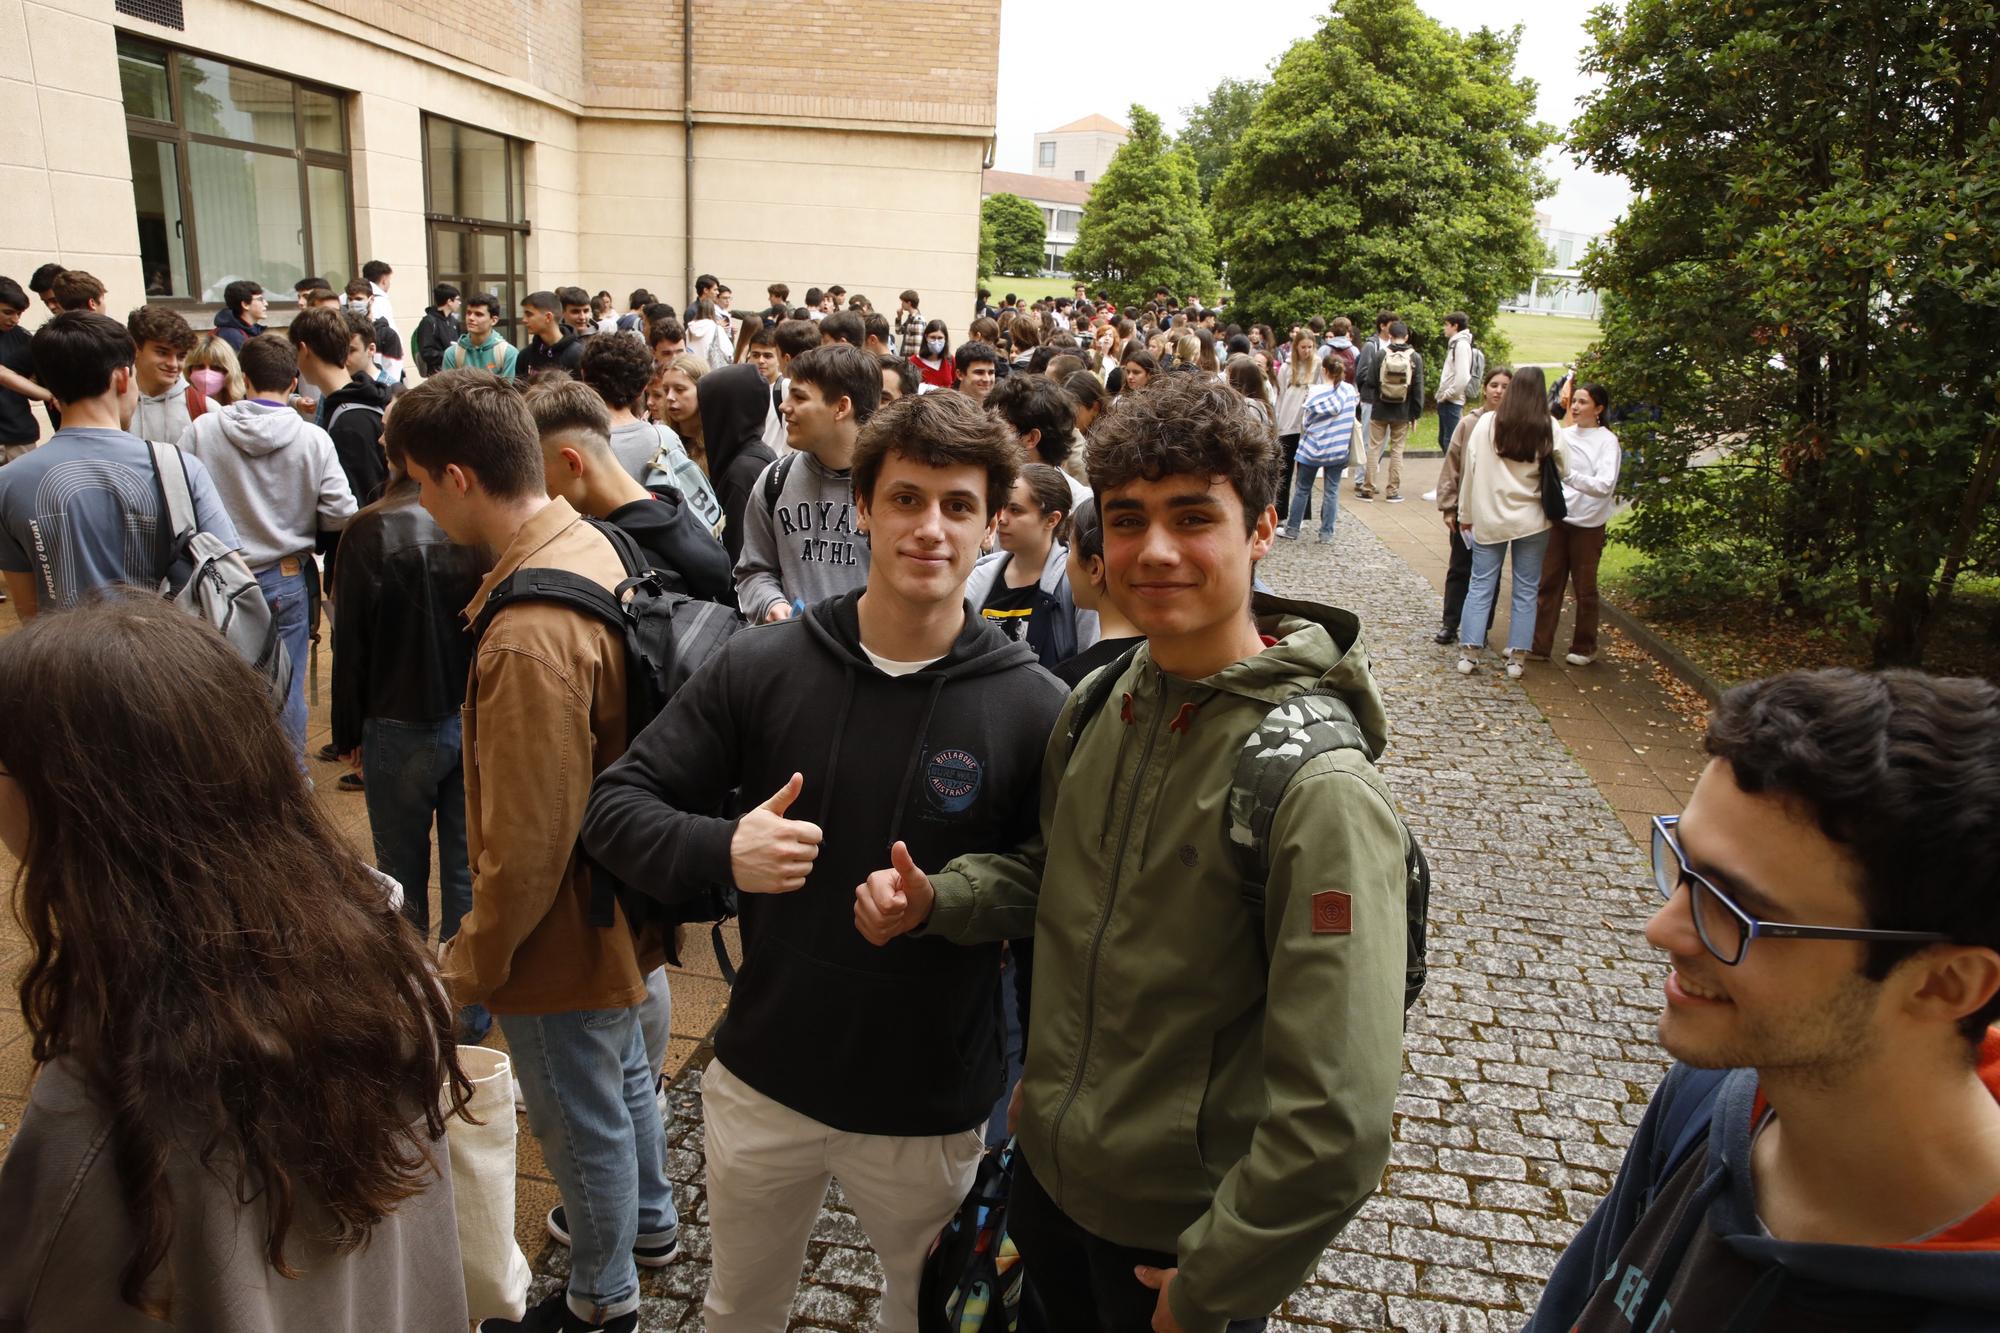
[1295,732]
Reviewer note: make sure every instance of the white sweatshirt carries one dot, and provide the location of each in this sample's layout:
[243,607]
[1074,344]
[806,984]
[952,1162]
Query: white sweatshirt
[1594,458]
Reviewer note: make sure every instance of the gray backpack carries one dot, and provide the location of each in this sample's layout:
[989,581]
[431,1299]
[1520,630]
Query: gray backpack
[210,581]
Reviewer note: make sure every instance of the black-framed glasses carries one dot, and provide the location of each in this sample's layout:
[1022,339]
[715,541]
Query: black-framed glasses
[1727,929]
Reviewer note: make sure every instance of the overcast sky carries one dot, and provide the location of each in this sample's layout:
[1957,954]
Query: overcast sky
[1060,61]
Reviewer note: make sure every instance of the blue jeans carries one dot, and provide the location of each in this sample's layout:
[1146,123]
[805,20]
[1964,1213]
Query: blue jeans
[590,1103]
[412,773]
[287,595]
[1302,490]
[1479,598]
[1448,415]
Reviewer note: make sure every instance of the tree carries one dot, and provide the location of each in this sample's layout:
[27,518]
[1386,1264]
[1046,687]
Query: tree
[1144,225]
[1020,233]
[988,247]
[1392,164]
[1214,127]
[1807,291]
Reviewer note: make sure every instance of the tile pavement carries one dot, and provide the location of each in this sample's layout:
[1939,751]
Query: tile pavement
[1529,1058]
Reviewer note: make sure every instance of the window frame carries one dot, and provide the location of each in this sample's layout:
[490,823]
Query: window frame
[515,169]
[1045,153]
[176,133]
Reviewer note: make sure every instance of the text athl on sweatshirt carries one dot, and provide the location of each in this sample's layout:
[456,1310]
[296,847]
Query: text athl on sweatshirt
[821,532]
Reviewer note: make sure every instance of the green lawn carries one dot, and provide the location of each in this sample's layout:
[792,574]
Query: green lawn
[1547,340]
[1029,289]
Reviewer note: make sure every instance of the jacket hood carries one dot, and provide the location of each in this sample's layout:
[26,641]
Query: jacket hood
[979,650]
[257,429]
[360,389]
[226,318]
[1318,648]
[989,568]
[734,400]
[178,389]
[1945,1273]
[1340,340]
[702,329]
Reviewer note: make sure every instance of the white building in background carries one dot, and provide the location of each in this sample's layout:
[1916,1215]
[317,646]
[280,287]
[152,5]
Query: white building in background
[1080,150]
[1061,202]
[1559,289]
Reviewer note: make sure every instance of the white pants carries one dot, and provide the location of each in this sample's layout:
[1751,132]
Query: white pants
[767,1172]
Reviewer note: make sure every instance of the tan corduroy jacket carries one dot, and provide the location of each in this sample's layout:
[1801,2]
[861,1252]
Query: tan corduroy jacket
[544,714]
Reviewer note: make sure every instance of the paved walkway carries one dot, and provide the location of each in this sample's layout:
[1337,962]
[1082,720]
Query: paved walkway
[1530,1055]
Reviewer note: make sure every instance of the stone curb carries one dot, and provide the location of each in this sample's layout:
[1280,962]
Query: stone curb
[1671,657]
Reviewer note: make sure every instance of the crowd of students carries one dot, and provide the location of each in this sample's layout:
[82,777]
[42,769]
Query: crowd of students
[1004,660]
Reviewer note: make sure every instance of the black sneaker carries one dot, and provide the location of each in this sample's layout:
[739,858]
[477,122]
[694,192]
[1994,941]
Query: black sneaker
[643,1254]
[352,782]
[328,754]
[1445,635]
[553,1315]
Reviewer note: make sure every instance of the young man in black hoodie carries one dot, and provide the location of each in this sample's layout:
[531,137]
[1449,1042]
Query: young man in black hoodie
[549,344]
[1826,1155]
[352,406]
[902,717]
[734,401]
[581,468]
[439,328]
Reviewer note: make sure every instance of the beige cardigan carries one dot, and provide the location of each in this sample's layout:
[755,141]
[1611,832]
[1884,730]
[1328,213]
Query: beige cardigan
[1500,498]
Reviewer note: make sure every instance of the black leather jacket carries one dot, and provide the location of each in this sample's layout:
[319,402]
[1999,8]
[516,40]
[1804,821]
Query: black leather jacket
[400,650]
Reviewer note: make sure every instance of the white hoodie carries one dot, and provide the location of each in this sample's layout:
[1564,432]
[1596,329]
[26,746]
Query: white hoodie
[704,339]
[278,475]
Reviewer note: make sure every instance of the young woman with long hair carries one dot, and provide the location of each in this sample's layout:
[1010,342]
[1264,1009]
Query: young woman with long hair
[1024,586]
[1458,572]
[933,358]
[1576,545]
[1300,373]
[1244,375]
[1138,367]
[1500,512]
[675,401]
[245,1062]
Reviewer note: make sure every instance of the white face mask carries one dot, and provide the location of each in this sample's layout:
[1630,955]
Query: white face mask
[935,346]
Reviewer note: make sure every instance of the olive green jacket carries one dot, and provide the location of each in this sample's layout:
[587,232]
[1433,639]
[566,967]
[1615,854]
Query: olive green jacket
[1198,1081]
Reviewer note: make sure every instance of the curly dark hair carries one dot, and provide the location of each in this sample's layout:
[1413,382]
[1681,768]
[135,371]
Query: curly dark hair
[1188,425]
[1900,768]
[618,368]
[221,968]
[1035,402]
[938,430]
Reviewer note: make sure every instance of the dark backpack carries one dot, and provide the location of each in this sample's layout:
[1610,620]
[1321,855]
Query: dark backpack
[971,1279]
[1295,731]
[668,636]
[774,478]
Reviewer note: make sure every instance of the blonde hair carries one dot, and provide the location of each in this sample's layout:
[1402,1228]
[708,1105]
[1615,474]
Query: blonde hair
[688,364]
[1304,369]
[1187,348]
[212,351]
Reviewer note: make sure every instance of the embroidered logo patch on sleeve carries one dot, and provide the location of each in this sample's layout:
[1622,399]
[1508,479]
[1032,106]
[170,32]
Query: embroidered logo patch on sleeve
[1333,913]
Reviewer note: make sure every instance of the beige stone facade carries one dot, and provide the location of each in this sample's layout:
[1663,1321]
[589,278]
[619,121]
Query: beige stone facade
[1080,150]
[830,144]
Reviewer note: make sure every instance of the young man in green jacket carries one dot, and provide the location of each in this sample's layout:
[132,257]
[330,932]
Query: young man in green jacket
[1209,1083]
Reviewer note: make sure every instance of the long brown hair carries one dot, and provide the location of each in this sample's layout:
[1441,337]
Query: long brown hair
[225,973]
[1522,429]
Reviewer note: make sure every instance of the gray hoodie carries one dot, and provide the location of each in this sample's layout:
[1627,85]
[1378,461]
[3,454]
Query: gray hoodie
[806,547]
[278,476]
[161,417]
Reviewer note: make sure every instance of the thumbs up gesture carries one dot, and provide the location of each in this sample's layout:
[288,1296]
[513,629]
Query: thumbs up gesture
[895,901]
[769,853]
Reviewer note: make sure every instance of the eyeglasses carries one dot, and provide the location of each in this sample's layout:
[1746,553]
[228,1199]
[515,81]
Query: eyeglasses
[1726,929]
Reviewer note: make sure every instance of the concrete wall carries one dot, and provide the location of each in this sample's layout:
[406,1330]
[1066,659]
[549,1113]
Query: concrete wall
[1087,151]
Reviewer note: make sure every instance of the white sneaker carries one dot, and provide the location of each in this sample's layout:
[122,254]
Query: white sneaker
[1464,666]
[1580,659]
[1514,669]
[1430,496]
[520,1102]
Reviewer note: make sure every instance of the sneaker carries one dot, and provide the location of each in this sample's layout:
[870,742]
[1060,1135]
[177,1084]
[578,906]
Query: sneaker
[1444,636]
[1365,494]
[1514,668]
[1288,534]
[553,1315]
[520,1102]
[1464,666]
[352,782]
[1394,497]
[644,1255]
[329,755]
[1326,539]
[1580,659]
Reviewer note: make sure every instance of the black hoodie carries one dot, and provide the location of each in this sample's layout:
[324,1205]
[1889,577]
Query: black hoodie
[678,543]
[734,401]
[357,436]
[902,1040]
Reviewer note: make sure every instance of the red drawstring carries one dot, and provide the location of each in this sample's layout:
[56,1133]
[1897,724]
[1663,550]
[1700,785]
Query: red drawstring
[1125,710]
[1184,720]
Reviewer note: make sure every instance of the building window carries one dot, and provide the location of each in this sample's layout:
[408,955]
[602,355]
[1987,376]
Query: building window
[475,208]
[1067,219]
[236,172]
[1047,149]
[1565,251]
[1079,175]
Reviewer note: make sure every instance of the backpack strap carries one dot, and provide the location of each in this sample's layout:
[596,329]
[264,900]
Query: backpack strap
[774,479]
[1092,694]
[345,408]
[177,521]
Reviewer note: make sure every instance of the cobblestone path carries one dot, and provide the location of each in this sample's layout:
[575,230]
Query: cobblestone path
[1529,1058]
